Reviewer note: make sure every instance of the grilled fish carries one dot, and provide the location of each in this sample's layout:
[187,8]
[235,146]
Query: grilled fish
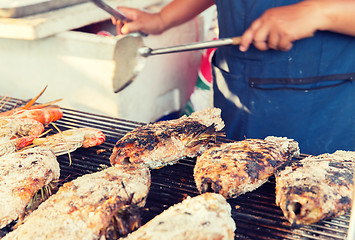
[86,207]
[207,216]
[22,174]
[231,169]
[316,187]
[158,144]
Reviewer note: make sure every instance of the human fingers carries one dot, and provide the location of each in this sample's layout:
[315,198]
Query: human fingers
[285,44]
[248,36]
[119,26]
[279,39]
[130,13]
[130,27]
[113,20]
[273,40]
[261,36]
[122,26]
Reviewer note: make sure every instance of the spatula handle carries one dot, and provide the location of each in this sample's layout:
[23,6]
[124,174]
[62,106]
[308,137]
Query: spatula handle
[192,46]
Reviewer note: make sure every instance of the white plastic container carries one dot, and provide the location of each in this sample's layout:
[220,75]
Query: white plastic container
[79,67]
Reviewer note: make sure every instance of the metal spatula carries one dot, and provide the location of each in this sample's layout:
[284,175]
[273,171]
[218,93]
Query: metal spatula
[132,56]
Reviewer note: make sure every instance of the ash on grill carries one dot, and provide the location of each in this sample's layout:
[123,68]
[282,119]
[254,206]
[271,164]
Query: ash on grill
[255,213]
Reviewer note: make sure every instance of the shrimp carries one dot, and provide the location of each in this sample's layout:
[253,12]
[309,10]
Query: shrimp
[69,140]
[44,115]
[29,105]
[12,128]
[93,137]
[12,145]
[16,134]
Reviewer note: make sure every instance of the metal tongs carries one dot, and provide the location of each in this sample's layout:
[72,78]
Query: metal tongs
[113,12]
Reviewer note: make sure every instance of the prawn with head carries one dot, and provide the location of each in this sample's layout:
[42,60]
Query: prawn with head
[28,106]
[15,128]
[18,133]
[69,140]
[44,113]
[21,125]
[12,145]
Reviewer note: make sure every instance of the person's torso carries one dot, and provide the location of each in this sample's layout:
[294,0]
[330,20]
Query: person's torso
[307,93]
[308,57]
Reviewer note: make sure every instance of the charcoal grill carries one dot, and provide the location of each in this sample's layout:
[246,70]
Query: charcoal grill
[255,213]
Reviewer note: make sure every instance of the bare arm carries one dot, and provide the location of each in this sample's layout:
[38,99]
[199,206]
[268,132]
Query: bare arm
[340,16]
[279,27]
[173,14]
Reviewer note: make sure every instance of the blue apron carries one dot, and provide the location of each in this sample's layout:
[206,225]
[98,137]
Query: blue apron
[307,93]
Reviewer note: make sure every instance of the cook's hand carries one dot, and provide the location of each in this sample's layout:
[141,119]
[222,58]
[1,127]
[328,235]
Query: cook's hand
[279,27]
[142,21]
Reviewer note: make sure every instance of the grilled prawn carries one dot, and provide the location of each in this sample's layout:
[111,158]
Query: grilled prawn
[14,128]
[232,169]
[70,140]
[29,106]
[22,174]
[12,145]
[17,133]
[165,142]
[89,207]
[42,115]
[316,187]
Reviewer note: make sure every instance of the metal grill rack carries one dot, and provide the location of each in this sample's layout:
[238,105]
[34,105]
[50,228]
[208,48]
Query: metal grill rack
[255,213]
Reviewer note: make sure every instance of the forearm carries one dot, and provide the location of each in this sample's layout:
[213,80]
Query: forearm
[338,15]
[180,11]
[277,28]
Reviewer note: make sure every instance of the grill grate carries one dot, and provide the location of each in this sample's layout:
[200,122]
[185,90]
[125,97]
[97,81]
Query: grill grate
[255,213]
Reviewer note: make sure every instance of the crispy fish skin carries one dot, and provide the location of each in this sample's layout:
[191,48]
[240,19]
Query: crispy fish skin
[22,174]
[84,207]
[158,144]
[316,187]
[232,169]
[206,216]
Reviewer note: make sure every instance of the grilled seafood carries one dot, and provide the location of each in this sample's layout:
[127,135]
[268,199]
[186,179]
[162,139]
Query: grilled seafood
[70,140]
[22,174]
[11,128]
[28,106]
[43,115]
[207,216]
[316,187]
[84,208]
[158,144]
[232,169]
[9,146]
[17,133]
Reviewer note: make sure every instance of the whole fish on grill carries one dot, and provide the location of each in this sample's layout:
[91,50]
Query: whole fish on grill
[101,205]
[206,216]
[231,169]
[22,174]
[316,187]
[158,144]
